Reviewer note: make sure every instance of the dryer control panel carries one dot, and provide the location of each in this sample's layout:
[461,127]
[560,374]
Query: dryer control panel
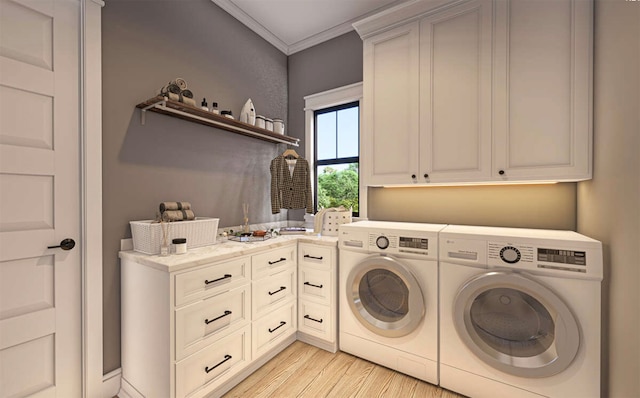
[508,253]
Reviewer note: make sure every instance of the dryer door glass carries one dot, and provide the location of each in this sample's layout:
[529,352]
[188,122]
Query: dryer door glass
[512,322]
[385,296]
[515,324]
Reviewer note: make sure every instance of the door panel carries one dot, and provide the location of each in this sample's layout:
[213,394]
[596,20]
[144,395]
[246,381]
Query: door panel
[40,330]
[455,93]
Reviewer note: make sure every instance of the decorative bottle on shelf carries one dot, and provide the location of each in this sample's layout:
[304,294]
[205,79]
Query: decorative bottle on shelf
[203,105]
[214,108]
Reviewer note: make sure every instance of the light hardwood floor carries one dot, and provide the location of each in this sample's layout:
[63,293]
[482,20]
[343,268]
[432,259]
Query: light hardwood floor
[302,370]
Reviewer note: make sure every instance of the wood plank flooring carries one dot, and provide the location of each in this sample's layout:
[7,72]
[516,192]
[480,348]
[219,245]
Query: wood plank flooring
[302,370]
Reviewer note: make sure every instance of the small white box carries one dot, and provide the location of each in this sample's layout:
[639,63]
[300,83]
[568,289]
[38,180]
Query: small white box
[147,234]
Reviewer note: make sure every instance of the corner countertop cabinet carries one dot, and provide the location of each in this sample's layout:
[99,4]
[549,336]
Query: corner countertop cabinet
[477,91]
[197,324]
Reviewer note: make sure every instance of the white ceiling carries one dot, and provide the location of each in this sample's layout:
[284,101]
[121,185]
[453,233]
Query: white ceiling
[293,25]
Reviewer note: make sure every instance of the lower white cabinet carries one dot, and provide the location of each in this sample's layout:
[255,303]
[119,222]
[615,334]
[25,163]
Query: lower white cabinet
[195,327]
[202,372]
[197,323]
[317,295]
[274,327]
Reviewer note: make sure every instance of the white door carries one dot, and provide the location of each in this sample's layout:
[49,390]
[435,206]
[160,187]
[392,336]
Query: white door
[542,90]
[390,128]
[455,94]
[40,288]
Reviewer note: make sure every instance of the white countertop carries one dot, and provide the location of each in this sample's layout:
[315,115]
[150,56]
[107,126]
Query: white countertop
[222,250]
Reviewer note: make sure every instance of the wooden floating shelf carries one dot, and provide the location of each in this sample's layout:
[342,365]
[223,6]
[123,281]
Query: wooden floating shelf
[190,113]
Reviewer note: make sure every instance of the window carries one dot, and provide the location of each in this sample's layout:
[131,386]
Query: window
[332,134]
[336,159]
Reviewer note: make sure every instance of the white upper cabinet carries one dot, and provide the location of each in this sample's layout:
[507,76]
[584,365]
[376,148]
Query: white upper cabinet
[455,94]
[477,91]
[391,92]
[542,90]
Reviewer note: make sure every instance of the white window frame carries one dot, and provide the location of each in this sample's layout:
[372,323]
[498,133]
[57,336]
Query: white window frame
[327,99]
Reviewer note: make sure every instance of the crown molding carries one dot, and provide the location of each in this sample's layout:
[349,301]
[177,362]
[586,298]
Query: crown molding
[252,24]
[288,49]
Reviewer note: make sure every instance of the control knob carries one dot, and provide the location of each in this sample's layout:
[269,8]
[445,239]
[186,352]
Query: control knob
[382,242]
[510,254]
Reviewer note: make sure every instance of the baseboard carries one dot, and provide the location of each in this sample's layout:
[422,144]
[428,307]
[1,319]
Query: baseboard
[111,384]
[317,342]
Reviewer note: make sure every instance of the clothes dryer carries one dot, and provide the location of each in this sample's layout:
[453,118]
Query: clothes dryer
[519,312]
[388,302]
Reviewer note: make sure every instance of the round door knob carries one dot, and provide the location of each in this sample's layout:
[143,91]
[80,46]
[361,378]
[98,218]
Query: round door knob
[426,175]
[65,244]
[413,176]
[501,172]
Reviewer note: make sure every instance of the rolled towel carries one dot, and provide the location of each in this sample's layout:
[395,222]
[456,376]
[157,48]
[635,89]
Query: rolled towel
[180,82]
[164,206]
[178,215]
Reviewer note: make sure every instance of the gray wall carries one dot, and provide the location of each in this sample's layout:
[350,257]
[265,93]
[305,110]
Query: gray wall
[146,44]
[609,205]
[334,63]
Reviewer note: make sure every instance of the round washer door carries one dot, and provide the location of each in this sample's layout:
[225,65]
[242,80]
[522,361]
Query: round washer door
[385,296]
[516,325]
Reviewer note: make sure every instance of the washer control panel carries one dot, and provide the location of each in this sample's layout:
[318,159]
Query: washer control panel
[392,243]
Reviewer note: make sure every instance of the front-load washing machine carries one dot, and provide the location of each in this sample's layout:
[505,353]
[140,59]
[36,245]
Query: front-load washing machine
[519,312]
[388,283]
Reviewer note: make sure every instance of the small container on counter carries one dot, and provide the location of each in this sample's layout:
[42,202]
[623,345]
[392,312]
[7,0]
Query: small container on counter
[214,108]
[260,121]
[180,245]
[228,114]
[203,104]
[268,124]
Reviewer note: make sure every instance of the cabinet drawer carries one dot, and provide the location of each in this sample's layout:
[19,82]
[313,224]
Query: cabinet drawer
[209,281]
[270,292]
[212,366]
[273,328]
[315,284]
[205,321]
[273,261]
[315,256]
[316,320]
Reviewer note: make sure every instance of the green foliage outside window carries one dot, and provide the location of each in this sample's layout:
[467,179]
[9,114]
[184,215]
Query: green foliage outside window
[338,188]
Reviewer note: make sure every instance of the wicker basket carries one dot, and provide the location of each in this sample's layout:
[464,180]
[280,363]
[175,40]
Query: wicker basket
[332,220]
[147,234]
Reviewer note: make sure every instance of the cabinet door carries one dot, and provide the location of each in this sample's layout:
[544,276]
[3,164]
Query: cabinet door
[389,138]
[542,84]
[455,94]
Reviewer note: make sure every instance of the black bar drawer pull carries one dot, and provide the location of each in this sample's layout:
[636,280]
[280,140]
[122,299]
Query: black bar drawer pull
[277,261]
[226,276]
[313,257]
[312,285]
[279,290]
[226,358]
[282,323]
[311,319]
[207,321]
